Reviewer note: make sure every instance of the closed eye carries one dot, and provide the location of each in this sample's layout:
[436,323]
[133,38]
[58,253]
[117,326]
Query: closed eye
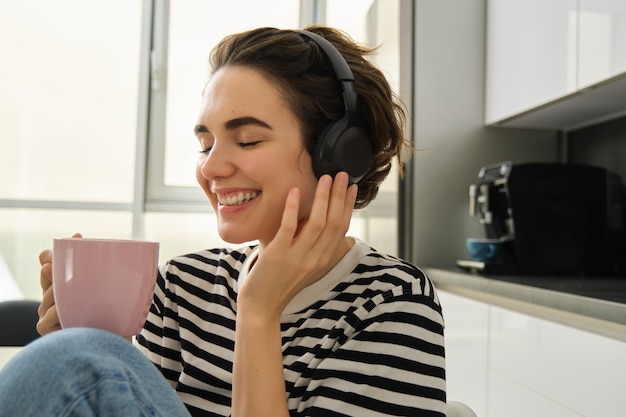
[241,145]
[206,144]
[248,144]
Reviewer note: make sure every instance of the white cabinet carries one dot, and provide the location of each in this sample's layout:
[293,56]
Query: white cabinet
[466,336]
[538,367]
[509,398]
[601,40]
[505,363]
[558,64]
[531,54]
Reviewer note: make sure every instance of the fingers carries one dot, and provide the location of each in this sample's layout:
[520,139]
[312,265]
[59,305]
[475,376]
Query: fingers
[316,222]
[341,203]
[289,221]
[45,260]
[330,214]
[328,219]
[48,317]
[45,274]
[301,250]
[45,257]
[48,322]
[338,213]
[328,209]
[47,311]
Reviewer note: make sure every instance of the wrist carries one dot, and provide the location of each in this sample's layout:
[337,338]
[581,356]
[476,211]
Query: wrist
[254,312]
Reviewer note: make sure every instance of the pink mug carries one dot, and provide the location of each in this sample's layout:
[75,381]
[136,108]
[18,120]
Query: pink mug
[104,283]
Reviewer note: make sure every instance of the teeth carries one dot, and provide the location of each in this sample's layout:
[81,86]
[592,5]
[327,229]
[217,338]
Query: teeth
[236,199]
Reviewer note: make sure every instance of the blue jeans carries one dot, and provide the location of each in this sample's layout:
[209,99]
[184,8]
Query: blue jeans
[85,372]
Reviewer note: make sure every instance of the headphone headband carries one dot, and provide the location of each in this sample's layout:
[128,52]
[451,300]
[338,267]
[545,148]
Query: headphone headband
[337,61]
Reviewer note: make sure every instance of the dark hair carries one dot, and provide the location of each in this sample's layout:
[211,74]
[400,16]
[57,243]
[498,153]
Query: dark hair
[305,78]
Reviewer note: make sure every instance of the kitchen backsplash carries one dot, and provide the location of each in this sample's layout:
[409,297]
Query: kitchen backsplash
[601,145]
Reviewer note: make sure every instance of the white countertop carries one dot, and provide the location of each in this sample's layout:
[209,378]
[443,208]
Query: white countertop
[600,316]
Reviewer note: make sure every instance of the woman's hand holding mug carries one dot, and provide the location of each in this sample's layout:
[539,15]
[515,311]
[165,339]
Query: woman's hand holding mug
[100,283]
[48,314]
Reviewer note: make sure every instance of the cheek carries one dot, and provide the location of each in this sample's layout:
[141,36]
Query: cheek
[304,162]
[307,197]
[307,182]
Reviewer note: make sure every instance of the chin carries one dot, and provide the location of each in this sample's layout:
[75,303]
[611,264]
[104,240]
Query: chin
[235,238]
[232,239]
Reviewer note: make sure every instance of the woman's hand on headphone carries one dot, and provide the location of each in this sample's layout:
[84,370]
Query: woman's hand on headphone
[301,252]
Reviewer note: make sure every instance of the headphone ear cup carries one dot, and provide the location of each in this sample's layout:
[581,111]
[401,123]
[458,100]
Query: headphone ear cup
[342,147]
[353,153]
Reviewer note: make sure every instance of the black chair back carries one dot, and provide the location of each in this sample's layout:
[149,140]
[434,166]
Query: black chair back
[18,321]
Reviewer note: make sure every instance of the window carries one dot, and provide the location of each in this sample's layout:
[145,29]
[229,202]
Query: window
[68,125]
[68,110]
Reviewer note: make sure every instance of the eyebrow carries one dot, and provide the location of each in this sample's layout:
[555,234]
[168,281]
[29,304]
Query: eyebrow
[234,124]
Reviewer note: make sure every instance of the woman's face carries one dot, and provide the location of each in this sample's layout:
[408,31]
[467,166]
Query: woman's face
[253,154]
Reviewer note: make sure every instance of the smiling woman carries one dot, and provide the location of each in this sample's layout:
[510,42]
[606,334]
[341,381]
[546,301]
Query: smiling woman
[287,325]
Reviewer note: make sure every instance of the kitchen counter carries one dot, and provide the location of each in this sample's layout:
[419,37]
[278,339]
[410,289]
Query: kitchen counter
[597,305]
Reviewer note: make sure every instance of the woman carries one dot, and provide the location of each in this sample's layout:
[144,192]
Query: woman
[309,322]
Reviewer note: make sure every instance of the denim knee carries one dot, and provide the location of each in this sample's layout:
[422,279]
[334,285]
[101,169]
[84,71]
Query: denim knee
[85,369]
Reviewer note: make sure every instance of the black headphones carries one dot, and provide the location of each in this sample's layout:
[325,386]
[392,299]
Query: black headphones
[343,145]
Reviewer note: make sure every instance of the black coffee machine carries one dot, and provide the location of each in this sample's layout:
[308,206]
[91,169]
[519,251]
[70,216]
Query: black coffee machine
[554,219]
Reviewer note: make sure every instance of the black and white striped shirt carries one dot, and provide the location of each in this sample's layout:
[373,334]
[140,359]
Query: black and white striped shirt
[365,340]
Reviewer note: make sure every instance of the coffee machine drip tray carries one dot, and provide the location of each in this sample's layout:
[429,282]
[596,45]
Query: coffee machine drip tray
[487,268]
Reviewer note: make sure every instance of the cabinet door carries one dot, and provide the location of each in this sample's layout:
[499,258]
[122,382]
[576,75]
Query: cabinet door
[466,335]
[602,40]
[531,54]
[541,368]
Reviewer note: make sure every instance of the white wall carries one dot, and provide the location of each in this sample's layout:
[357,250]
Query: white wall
[9,290]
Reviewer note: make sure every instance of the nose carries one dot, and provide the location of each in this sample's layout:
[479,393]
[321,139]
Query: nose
[215,163]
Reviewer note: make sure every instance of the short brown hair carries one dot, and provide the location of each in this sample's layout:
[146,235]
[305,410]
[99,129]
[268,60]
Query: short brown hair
[303,74]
